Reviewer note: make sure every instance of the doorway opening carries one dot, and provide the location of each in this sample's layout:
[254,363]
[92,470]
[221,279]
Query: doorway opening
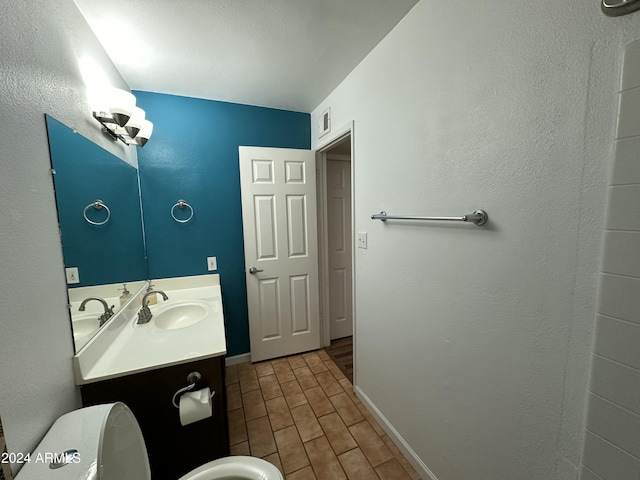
[336,252]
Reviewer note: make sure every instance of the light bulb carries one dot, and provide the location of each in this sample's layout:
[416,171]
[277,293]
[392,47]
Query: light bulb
[145,133]
[134,124]
[121,105]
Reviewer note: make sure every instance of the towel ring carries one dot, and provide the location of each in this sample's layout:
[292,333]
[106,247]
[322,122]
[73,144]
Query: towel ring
[98,205]
[181,204]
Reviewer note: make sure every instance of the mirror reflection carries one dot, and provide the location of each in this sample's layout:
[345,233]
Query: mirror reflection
[99,213]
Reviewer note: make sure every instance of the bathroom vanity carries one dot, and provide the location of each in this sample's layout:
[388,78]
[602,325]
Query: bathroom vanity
[146,365]
[173,449]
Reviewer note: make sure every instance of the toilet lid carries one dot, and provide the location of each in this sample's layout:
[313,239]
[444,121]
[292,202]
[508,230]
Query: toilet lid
[235,468]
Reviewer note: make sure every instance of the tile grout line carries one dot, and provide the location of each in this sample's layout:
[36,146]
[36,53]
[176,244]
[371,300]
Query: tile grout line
[325,359]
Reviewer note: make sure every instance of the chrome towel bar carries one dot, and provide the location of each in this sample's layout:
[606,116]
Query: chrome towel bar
[479,217]
[616,8]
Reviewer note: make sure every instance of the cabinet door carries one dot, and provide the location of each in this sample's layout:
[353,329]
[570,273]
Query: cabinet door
[173,449]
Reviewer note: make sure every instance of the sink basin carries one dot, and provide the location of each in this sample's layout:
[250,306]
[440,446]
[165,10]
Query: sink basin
[84,326]
[180,315]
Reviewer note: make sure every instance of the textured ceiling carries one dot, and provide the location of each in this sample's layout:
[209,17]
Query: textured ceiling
[287,54]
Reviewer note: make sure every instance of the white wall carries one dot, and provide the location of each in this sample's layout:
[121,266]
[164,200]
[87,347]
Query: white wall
[42,43]
[612,447]
[473,342]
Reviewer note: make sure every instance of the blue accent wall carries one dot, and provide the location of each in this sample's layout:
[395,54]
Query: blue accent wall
[193,155]
[85,172]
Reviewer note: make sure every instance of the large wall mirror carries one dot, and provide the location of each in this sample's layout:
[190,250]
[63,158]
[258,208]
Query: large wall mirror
[99,212]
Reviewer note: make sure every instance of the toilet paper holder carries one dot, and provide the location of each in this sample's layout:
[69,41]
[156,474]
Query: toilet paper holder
[192,379]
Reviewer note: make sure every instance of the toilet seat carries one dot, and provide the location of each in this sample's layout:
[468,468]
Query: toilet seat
[235,468]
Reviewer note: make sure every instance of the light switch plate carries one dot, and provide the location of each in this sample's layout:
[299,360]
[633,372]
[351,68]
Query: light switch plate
[72,275]
[212,264]
[362,240]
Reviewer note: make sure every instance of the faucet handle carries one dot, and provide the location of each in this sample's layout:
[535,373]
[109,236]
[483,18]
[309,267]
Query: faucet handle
[144,315]
[106,316]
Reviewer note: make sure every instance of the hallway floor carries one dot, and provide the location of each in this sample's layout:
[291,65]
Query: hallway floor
[301,414]
[341,352]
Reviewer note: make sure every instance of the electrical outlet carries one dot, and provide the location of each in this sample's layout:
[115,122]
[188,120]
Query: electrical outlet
[72,275]
[362,240]
[212,264]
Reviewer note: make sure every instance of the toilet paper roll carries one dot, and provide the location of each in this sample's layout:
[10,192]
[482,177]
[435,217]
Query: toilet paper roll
[195,406]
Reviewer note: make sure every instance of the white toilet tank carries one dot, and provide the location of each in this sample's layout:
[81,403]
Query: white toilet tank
[103,442]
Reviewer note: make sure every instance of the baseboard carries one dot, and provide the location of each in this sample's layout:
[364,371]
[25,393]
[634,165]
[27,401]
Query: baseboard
[243,357]
[395,437]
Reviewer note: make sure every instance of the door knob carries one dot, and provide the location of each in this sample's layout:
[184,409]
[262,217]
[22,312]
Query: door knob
[254,270]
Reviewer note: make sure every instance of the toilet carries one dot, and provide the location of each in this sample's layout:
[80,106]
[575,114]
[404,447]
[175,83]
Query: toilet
[104,442]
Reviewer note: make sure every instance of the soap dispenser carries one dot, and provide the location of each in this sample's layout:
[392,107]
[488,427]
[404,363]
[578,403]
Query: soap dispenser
[151,299]
[126,294]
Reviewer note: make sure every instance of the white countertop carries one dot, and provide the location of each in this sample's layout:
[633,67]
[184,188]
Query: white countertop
[86,323]
[124,348]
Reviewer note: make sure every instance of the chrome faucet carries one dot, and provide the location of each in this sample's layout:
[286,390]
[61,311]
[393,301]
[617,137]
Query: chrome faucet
[108,312]
[144,315]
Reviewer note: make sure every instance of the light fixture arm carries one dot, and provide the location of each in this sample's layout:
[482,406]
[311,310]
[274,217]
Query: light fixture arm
[106,121]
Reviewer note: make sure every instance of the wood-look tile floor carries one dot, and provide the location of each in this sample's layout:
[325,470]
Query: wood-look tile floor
[301,414]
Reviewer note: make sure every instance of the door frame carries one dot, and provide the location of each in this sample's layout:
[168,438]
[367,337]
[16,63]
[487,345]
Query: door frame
[323,237]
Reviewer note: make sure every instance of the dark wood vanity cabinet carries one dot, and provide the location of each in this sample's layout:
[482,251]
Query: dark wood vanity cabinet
[173,449]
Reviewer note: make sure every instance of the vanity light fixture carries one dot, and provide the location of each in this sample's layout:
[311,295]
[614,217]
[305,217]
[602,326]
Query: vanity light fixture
[124,121]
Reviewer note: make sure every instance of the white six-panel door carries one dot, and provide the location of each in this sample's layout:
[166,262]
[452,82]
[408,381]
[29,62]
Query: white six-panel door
[281,249]
[339,247]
